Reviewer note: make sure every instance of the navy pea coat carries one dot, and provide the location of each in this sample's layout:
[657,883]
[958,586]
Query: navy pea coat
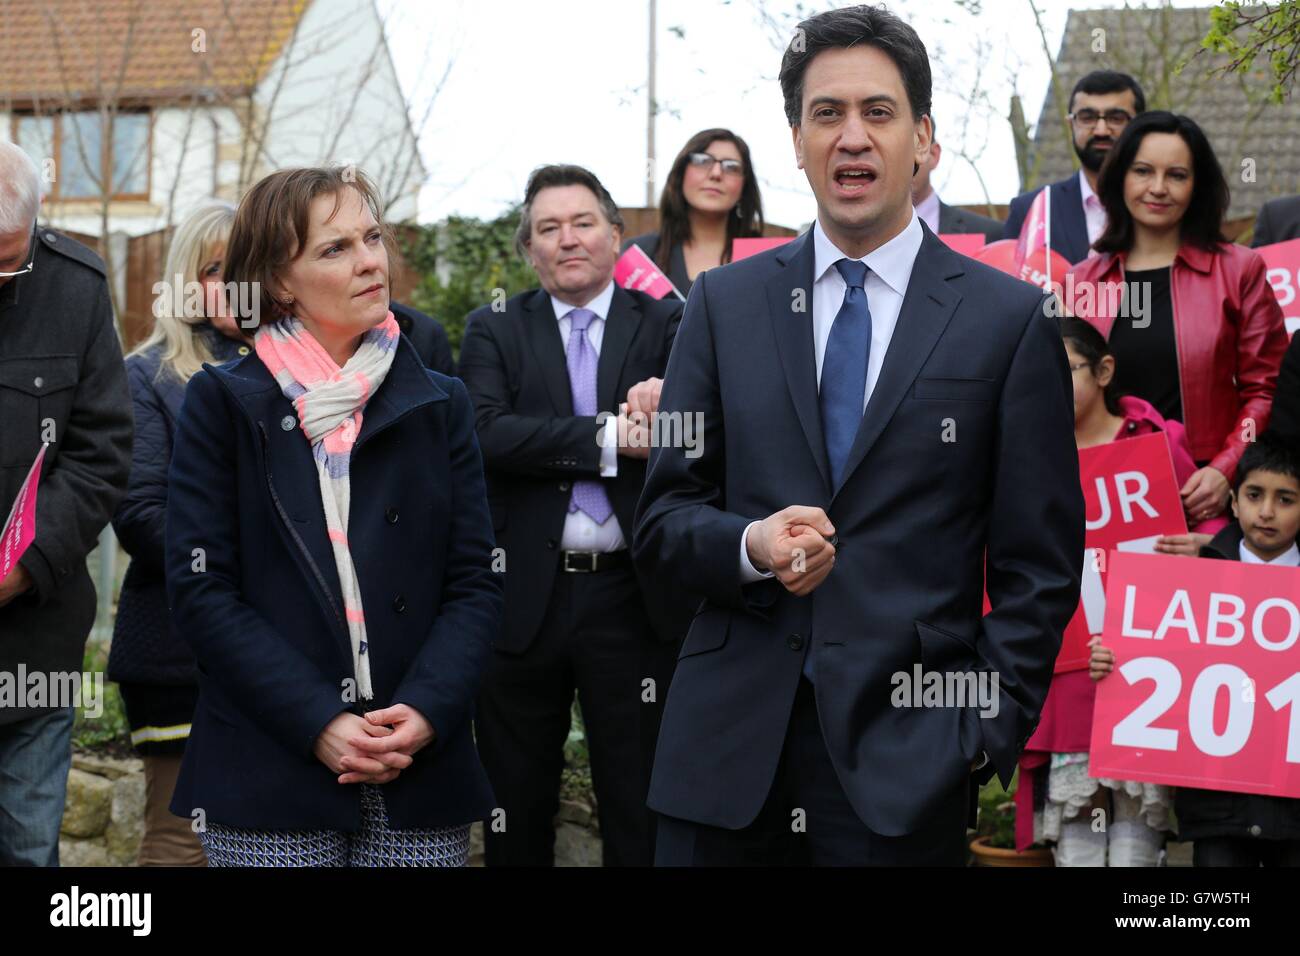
[252,587]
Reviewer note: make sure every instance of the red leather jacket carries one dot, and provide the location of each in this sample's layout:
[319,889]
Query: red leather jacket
[1229,333]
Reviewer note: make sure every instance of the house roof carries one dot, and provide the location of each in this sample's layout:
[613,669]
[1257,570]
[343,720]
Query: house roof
[83,51]
[1149,43]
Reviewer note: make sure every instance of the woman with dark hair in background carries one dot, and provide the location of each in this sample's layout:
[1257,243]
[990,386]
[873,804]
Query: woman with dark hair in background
[1203,335]
[711,197]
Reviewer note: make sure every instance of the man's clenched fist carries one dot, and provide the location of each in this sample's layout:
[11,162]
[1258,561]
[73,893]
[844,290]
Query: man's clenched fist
[794,544]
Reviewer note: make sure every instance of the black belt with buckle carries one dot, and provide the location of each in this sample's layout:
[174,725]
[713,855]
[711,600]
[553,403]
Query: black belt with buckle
[586,561]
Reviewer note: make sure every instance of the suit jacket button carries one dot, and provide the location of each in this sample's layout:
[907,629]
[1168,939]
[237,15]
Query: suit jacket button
[288,423]
[795,641]
[565,486]
[399,604]
[390,516]
[1255,829]
[551,543]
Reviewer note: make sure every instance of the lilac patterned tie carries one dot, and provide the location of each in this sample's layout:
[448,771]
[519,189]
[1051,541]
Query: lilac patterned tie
[588,496]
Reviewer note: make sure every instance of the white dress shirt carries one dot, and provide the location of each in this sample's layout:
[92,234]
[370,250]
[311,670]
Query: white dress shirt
[889,271]
[1288,559]
[581,533]
[928,209]
[1094,213]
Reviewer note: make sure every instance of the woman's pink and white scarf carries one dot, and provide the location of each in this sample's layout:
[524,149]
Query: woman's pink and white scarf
[329,401]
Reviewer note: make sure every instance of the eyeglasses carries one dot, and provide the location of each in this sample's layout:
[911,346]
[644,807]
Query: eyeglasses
[1086,119]
[733,167]
[1075,368]
[31,258]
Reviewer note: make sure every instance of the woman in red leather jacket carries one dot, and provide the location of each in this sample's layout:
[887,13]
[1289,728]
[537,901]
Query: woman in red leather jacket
[1192,322]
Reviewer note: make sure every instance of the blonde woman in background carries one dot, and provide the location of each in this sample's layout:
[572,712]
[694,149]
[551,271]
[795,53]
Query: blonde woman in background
[155,669]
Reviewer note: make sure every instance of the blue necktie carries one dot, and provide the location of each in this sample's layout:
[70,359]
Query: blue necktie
[844,369]
[844,384]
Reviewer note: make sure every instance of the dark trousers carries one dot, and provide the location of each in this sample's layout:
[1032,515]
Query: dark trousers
[1245,851]
[594,639]
[808,821]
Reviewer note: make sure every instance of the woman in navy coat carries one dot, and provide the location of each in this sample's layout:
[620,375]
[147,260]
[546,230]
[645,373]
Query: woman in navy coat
[338,664]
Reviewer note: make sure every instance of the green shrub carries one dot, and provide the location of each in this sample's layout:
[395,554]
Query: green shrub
[480,264]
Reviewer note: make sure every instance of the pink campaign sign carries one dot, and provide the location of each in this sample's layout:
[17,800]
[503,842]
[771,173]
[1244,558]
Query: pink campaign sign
[636,270]
[1206,687]
[20,526]
[1130,498]
[1283,262]
[744,248]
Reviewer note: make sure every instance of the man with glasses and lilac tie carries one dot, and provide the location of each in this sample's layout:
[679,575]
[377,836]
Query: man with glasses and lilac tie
[880,414]
[1101,105]
[62,382]
[550,371]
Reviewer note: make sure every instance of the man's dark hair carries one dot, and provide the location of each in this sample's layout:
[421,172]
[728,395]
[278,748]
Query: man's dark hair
[1268,453]
[1109,81]
[1202,224]
[544,177]
[873,26]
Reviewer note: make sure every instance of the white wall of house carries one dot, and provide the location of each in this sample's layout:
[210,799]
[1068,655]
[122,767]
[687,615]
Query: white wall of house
[334,97]
[331,96]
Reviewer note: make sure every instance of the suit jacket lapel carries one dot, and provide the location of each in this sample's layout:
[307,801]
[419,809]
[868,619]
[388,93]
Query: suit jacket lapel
[1068,219]
[542,331]
[927,308]
[790,304]
[620,328]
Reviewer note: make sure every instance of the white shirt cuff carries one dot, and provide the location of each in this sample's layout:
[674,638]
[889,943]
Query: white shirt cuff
[748,573]
[609,449]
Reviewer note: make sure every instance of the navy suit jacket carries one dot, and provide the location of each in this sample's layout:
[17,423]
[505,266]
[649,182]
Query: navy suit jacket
[263,612]
[966,448]
[1069,227]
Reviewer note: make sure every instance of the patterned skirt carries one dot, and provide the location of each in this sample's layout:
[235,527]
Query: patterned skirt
[375,844]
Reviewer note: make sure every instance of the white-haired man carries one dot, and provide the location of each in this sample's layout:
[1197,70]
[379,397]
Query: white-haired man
[62,382]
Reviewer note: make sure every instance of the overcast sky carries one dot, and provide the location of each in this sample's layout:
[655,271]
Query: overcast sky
[535,82]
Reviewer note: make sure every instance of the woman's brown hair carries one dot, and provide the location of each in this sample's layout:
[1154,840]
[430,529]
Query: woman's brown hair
[745,219]
[271,226]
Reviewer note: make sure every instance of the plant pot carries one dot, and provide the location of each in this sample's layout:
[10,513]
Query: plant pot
[986,855]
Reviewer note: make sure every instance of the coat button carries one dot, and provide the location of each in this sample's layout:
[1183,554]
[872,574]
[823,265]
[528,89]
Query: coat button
[795,641]
[399,604]
[551,543]
[288,423]
[565,486]
[243,350]
[38,382]
[390,516]
[1255,829]
[51,237]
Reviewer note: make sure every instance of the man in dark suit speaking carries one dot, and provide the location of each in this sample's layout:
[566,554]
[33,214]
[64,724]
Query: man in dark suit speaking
[879,413]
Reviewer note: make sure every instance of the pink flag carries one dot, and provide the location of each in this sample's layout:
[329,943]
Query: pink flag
[20,526]
[636,270]
[1036,230]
